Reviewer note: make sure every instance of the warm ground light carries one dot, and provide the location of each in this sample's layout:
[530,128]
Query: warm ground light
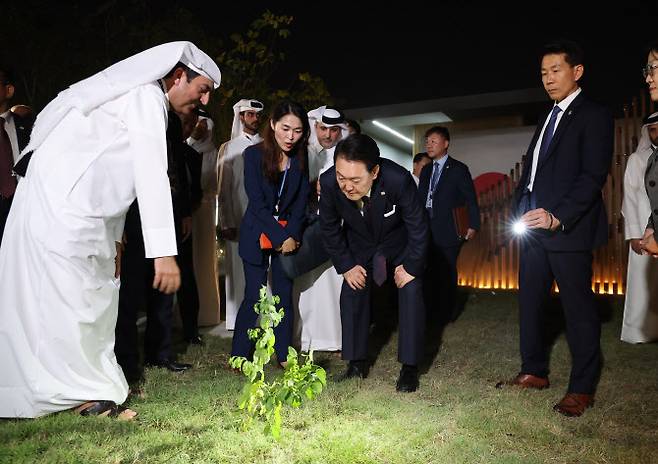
[456,417]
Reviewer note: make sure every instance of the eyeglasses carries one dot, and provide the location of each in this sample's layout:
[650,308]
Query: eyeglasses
[649,69]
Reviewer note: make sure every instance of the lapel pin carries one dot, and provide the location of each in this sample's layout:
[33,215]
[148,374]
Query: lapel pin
[569,113]
[382,193]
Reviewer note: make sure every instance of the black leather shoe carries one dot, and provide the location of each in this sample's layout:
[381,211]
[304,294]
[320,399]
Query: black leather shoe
[197,340]
[172,366]
[355,369]
[408,380]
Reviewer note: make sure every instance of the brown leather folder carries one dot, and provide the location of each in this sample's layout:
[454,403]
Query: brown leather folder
[460,216]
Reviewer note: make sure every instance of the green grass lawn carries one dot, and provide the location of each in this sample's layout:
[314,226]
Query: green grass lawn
[457,416]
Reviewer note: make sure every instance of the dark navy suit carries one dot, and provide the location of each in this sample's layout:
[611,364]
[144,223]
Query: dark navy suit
[259,218]
[399,232]
[453,189]
[568,183]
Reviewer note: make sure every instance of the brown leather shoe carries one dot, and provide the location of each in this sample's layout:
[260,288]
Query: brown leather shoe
[574,404]
[525,381]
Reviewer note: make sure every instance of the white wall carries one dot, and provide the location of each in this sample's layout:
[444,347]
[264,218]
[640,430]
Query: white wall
[394,154]
[492,150]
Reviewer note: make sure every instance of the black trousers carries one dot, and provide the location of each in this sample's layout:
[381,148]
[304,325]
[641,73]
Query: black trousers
[573,273]
[5,205]
[441,283]
[188,295]
[355,321]
[137,293]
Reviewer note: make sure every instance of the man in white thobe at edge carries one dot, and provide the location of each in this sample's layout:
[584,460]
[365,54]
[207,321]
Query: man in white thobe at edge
[233,199]
[97,146]
[640,324]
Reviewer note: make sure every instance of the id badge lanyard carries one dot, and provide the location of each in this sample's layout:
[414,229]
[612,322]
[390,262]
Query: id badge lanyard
[283,182]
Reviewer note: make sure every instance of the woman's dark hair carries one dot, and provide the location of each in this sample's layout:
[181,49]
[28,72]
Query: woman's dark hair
[271,149]
[358,147]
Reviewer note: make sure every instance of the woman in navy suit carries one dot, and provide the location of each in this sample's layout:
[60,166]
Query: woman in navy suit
[277,190]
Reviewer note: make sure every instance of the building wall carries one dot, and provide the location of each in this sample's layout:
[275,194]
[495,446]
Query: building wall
[491,150]
[486,150]
[394,154]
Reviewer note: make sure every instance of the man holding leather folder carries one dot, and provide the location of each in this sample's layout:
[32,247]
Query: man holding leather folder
[447,194]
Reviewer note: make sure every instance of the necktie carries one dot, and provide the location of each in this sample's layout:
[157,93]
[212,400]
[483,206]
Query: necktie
[378,260]
[436,173]
[7,181]
[434,179]
[379,268]
[365,212]
[548,133]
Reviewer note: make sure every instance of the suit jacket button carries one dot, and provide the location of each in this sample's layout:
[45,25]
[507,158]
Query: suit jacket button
[652,183]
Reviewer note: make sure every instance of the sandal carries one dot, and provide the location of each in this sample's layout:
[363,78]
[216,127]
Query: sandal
[105,408]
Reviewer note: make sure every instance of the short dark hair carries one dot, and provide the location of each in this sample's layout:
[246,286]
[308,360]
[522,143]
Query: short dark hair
[354,125]
[6,74]
[358,147]
[439,130]
[418,157]
[573,53]
[190,73]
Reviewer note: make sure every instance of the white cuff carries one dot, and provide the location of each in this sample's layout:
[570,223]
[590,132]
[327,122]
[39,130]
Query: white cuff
[634,230]
[159,242]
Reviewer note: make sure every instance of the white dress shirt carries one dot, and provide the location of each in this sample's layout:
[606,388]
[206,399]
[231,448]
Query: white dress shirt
[564,104]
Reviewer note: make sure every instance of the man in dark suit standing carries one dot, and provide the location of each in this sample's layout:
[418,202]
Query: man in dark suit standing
[445,184]
[374,228]
[137,273]
[559,201]
[14,136]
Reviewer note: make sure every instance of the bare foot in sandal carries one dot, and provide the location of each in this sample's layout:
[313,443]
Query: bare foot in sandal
[105,408]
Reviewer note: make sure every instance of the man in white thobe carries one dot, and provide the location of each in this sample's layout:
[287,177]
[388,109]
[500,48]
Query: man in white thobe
[232,199]
[96,147]
[640,324]
[318,284]
[204,221]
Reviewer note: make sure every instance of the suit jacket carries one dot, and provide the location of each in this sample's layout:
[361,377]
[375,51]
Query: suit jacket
[261,192]
[193,161]
[399,229]
[570,177]
[179,179]
[454,189]
[23,130]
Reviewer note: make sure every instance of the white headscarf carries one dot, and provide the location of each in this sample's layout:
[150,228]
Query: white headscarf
[245,104]
[644,143]
[147,66]
[329,117]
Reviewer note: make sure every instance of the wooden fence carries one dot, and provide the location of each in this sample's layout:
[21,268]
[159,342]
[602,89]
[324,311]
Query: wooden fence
[491,259]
